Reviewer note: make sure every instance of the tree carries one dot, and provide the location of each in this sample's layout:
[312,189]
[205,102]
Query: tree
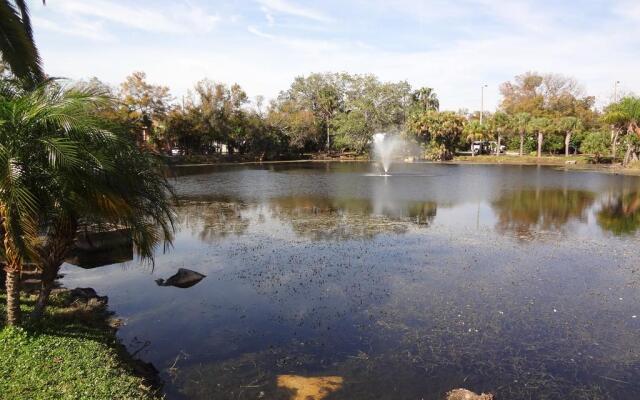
[539,126]
[626,116]
[474,130]
[521,123]
[60,168]
[370,106]
[321,94]
[37,146]
[16,42]
[570,126]
[441,132]
[500,124]
[595,143]
[144,104]
[525,94]
[297,124]
[425,99]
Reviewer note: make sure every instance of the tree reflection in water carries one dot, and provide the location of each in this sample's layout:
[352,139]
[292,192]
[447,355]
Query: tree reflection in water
[212,220]
[525,213]
[620,213]
[326,218]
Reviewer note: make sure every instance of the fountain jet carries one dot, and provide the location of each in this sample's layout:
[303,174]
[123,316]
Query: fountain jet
[384,149]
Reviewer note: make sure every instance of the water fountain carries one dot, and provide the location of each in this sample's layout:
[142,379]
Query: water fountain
[384,148]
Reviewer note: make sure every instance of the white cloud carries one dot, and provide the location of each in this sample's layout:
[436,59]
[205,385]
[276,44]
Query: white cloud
[91,31]
[286,7]
[181,19]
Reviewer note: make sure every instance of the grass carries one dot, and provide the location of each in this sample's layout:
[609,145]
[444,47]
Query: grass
[71,354]
[526,159]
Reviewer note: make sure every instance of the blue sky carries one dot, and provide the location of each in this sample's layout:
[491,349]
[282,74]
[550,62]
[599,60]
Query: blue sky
[452,46]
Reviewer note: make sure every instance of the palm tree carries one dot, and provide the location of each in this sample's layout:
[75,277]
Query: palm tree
[58,169]
[16,42]
[521,123]
[426,98]
[539,126]
[625,115]
[570,126]
[500,124]
[129,192]
[473,131]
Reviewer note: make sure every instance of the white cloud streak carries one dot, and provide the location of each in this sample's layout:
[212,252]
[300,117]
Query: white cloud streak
[290,8]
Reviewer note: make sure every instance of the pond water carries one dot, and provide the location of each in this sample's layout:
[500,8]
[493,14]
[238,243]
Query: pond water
[522,281]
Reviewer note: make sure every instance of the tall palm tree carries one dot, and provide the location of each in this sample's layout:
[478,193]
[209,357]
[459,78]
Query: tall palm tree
[16,42]
[539,127]
[500,124]
[569,126]
[58,169]
[520,124]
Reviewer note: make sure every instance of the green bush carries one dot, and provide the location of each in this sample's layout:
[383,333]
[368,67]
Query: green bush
[596,144]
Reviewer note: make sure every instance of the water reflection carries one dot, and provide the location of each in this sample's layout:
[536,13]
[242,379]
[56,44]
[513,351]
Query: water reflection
[330,218]
[405,288]
[620,213]
[212,220]
[527,212]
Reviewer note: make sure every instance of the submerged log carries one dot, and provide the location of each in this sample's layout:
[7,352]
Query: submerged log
[184,278]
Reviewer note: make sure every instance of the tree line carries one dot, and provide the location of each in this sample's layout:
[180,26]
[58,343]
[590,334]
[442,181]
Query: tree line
[538,114]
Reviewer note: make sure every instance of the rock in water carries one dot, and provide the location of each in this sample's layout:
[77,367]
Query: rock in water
[464,394]
[310,388]
[184,278]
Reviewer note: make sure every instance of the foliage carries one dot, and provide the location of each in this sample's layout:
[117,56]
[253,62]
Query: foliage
[60,168]
[595,143]
[441,132]
[425,99]
[16,43]
[65,357]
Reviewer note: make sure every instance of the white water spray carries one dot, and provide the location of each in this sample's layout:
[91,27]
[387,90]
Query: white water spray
[385,148]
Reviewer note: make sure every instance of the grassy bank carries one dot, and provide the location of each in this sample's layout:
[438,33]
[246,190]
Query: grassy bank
[525,160]
[71,354]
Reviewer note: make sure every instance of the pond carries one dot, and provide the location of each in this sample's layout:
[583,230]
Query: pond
[522,281]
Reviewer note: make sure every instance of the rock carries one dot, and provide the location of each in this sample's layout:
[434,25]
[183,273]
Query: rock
[464,394]
[184,278]
[87,296]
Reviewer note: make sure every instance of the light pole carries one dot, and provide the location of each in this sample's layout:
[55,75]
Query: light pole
[482,102]
[615,91]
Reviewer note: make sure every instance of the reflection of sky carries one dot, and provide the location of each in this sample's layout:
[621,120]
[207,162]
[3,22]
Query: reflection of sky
[354,272]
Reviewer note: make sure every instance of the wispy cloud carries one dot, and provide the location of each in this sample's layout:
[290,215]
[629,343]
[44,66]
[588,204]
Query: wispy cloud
[74,27]
[286,7]
[184,18]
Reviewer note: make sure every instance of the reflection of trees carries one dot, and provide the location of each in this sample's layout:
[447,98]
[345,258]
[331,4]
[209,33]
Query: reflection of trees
[213,220]
[620,214]
[525,211]
[326,218]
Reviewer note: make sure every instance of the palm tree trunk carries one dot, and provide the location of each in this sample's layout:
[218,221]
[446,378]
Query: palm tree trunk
[627,156]
[54,254]
[13,296]
[521,143]
[567,140]
[328,137]
[614,143]
[540,139]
